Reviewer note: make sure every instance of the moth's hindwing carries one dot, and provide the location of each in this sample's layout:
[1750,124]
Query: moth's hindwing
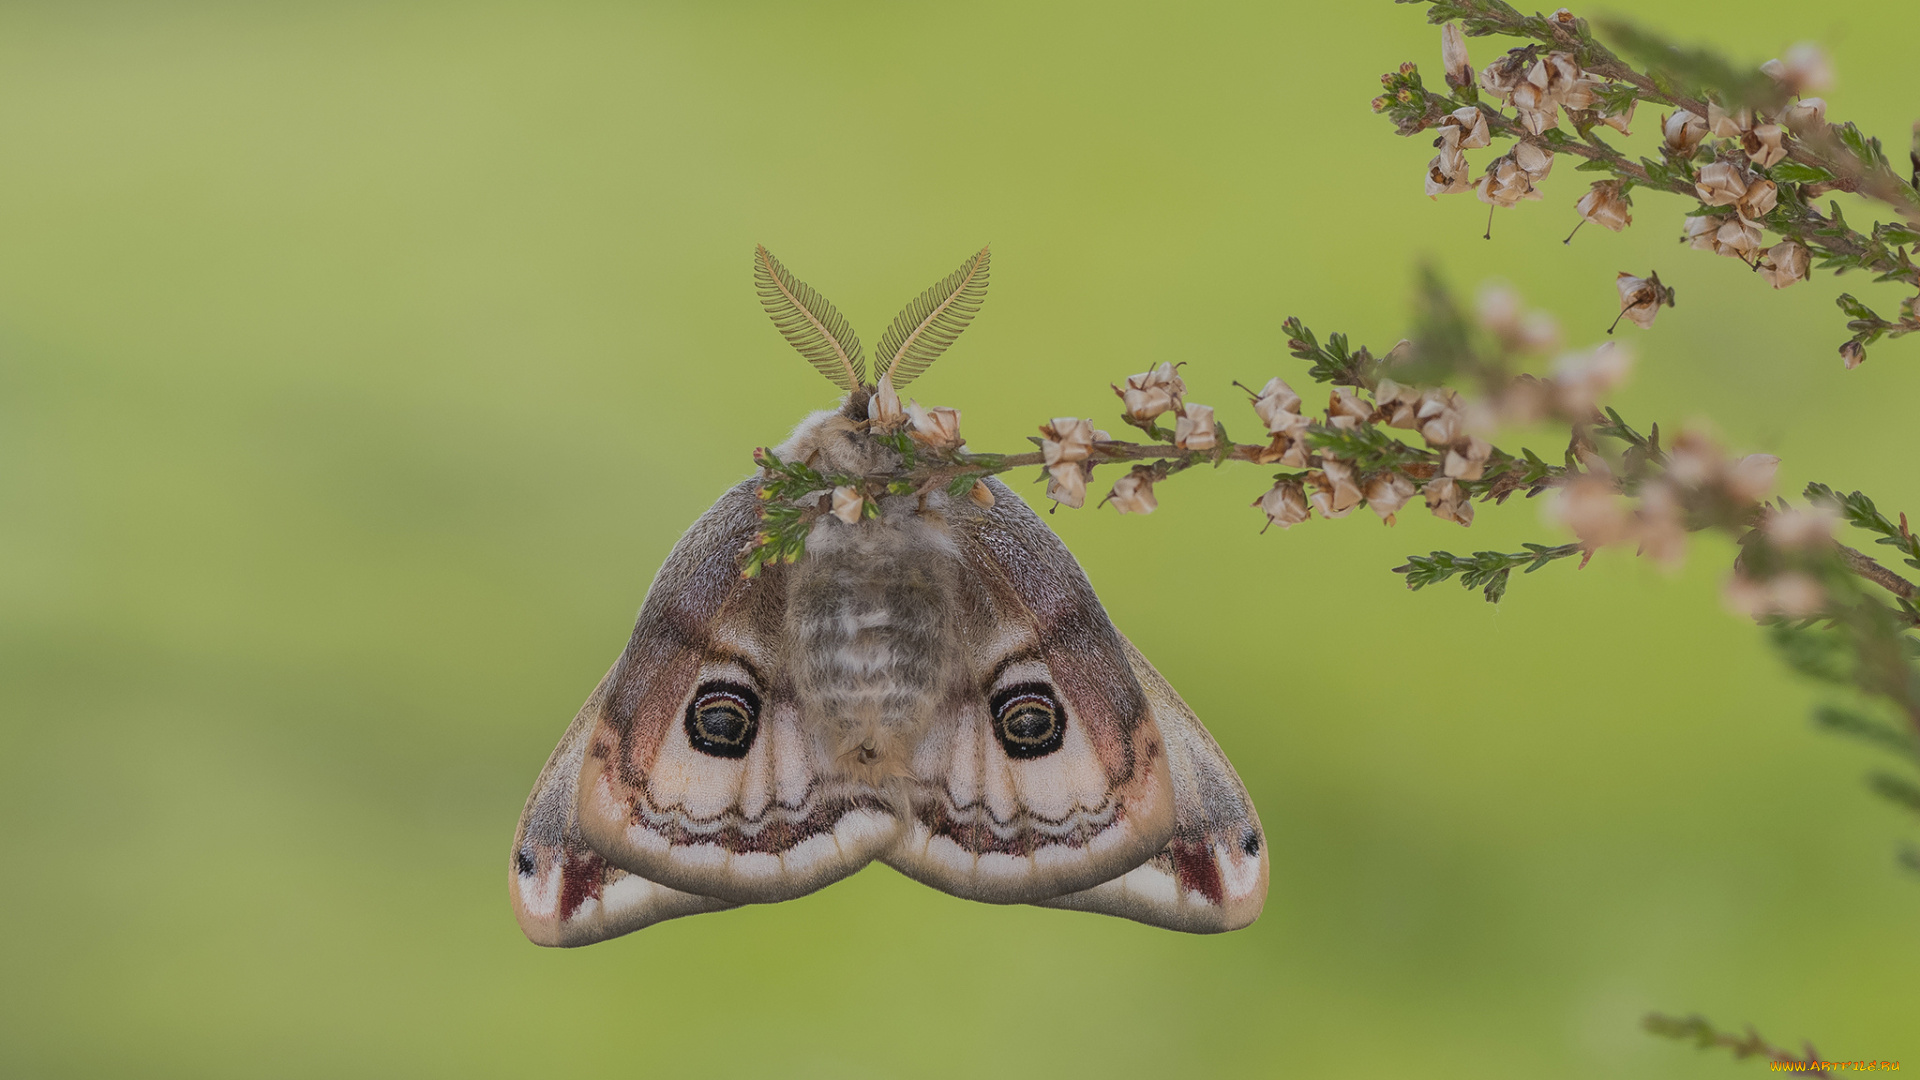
[697,773]
[1212,876]
[1047,773]
[563,892]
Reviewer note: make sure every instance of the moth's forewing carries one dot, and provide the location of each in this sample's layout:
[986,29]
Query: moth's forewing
[992,821]
[751,821]
[1212,875]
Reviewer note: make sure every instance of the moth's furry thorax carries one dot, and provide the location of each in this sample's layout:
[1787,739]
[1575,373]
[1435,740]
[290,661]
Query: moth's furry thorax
[839,441]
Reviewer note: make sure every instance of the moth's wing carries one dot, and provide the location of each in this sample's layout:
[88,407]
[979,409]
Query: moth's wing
[988,824]
[563,892]
[752,824]
[1212,876]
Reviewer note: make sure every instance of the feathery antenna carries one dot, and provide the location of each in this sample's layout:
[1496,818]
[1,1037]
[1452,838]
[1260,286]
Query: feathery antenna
[928,325]
[810,323]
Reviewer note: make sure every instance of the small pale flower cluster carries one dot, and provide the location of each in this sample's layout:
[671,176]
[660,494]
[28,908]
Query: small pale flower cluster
[1152,393]
[1698,474]
[1790,593]
[1066,445]
[1464,129]
[1511,176]
[1539,90]
[1278,407]
[1764,143]
[1737,235]
[1441,417]
[936,427]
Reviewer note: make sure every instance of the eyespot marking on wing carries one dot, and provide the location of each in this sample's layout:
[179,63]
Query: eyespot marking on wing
[1028,720]
[722,719]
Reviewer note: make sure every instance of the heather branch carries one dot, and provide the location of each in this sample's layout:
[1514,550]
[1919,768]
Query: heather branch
[1772,158]
[1697,1030]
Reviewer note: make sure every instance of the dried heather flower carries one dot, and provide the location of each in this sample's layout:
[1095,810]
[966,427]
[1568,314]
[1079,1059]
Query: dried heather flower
[1278,407]
[1387,492]
[1066,439]
[937,428]
[1728,125]
[1502,77]
[1593,510]
[1662,525]
[1805,68]
[1344,492]
[1505,183]
[1440,417]
[1346,410]
[1285,504]
[981,494]
[1682,131]
[1400,404]
[1467,459]
[1798,529]
[848,504]
[1465,128]
[1699,231]
[1195,430]
[1582,380]
[1640,299]
[1765,145]
[883,408]
[1133,493]
[1761,197]
[1152,393]
[1853,354]
[1751,477]
[1738,238]
[1453,56]
[1785,263]
[1536,160]
[1067,484]
[1448,501]
[1792,594]
[1807,113]
[1618,121]
[1606,204]
[1448,174]
[1695,460]
[1721,183]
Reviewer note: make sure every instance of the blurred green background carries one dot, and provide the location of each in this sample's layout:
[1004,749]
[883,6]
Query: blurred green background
[360,362]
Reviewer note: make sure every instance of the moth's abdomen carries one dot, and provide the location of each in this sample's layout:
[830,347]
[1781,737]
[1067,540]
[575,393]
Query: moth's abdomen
[872,633]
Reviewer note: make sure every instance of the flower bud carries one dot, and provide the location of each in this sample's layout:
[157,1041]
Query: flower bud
[1853,354]
[1453,56]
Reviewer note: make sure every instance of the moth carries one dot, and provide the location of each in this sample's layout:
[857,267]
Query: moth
[934,686]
